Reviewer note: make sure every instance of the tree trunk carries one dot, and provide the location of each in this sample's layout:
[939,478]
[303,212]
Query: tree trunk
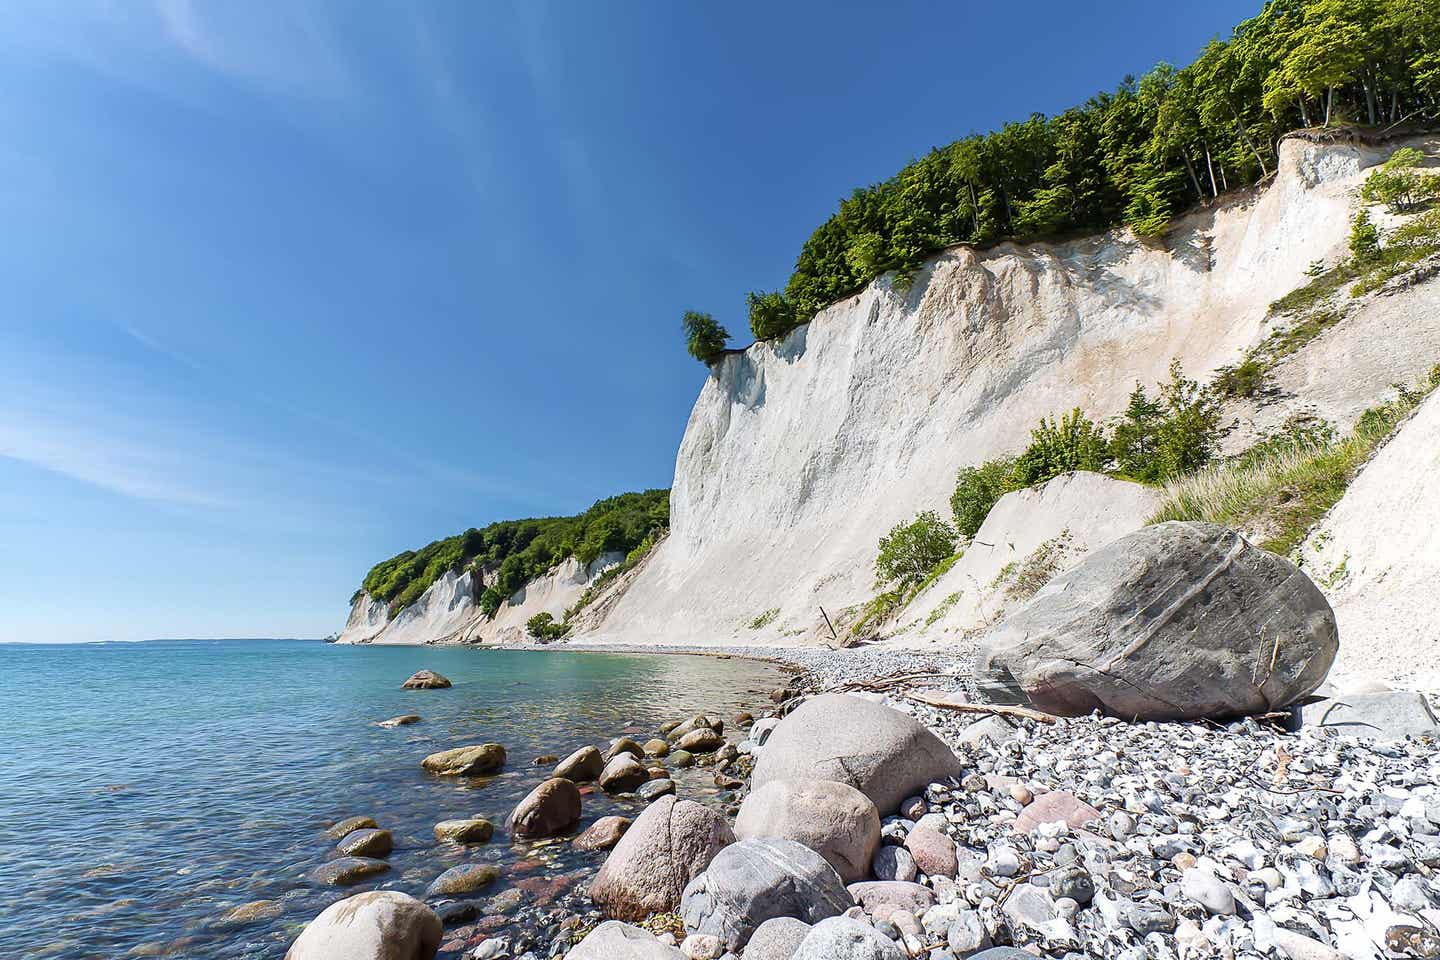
[1329,102]
[1304,111]
[1194,181]
[1224,180]
[1210,165]
[1394,103]
[1370,102]
[1245,135]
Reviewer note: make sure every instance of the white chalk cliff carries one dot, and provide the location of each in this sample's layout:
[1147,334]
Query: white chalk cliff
[449,610]
[1377,557]
[800,454]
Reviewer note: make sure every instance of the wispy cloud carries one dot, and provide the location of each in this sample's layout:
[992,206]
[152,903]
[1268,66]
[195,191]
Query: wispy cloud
[103,455]
[387,463]
[287,47]
[456,113]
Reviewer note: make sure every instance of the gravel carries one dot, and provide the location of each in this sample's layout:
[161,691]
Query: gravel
[1237,841]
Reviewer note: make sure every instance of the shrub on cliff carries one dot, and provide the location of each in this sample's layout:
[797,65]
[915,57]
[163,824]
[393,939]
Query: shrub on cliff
[704,337]
[977,489]
[1399,184]
[544,627]
[1284,485]
[911,550]
[771,315]
[1073,442]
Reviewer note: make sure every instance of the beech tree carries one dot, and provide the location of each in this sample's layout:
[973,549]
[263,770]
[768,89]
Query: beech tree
[704,338]
[1137,155]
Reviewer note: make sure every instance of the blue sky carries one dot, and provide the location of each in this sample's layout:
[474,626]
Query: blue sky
[290,287]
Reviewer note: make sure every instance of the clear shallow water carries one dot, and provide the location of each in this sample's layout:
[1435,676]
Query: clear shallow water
[147,789]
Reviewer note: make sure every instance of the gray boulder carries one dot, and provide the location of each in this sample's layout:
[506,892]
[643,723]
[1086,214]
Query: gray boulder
[367,843]
[379,925]
[623,774]
[776,939]
[551,808]
[840,938]
[473,761]
[885,754]
[582,766]
[347,871]
[833,819]
[756,880]
[425,680]
[667,846]
[1382,715]
[613,940]
[1176,621]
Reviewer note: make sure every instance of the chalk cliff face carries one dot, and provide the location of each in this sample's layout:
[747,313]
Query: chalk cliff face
[1377,557]
[449,610]
[800,454]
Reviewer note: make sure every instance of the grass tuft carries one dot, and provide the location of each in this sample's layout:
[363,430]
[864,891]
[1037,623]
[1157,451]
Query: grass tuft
[1281,490]
[765,619]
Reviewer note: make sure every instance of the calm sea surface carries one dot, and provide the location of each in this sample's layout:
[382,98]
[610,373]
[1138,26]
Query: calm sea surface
[147,789]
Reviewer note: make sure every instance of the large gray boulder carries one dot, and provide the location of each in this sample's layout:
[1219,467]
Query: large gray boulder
[755,880]
[670,843]
[613,940]
[379,925]
[1379,715]
[840,938]
[551,808]
[885,754]
[1177,621]
[833,819]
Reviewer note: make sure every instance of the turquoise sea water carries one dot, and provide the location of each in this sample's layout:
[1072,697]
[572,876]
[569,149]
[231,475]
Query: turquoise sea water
[147,789]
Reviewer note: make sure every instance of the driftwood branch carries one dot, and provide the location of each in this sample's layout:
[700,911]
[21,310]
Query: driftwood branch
[946,703]
[885,683]
[833,635]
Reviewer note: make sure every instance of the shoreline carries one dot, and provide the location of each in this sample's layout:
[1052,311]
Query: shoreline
[1222,783]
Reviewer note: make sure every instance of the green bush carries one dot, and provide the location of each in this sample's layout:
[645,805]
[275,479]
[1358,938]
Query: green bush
[910,551]
[544,627]
[1154,440]
[1188,433]
[704,338]
[1056,447]
[1244,379]
[771,315]
[763,620]
[976,490]
[1364,238]
[1398,184]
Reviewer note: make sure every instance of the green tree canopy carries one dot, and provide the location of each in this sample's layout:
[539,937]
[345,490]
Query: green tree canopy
[1136,155]
[704,337]
[911,550]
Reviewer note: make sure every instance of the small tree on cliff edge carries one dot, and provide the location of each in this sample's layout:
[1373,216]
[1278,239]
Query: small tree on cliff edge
[704,338]
[911,550]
